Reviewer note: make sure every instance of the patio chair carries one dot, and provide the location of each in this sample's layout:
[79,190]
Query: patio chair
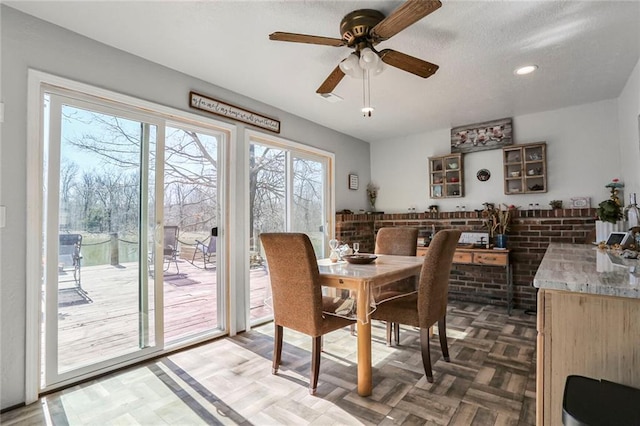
[70,256]
[208,249]
[170,251]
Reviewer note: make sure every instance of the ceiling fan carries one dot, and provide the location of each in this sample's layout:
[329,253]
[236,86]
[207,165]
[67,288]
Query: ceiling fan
[363,29]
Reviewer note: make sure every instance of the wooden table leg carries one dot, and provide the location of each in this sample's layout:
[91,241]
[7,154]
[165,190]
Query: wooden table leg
[365,382]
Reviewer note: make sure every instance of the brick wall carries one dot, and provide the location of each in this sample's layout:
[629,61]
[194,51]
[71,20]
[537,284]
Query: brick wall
[530,234]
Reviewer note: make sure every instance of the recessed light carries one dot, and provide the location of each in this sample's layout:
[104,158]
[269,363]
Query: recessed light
[526,70]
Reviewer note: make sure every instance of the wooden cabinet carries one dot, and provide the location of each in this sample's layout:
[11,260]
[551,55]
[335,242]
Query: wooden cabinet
[525,168]
[475,256]
[484,257]
[584,334]
[446,176]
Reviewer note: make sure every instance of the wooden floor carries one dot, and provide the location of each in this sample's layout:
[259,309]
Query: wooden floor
[106,323]
[489,381]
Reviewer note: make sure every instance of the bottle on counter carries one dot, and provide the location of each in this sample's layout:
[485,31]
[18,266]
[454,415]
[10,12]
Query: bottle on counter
[631,212]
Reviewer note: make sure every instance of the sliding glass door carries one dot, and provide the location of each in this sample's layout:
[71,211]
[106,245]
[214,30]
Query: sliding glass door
[289,192]
[193,300]
[308,200]
[133,235]
[100,173]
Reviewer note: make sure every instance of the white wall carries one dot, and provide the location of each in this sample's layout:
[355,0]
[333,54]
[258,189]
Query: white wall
[629,121]
[582,157]
[26,43]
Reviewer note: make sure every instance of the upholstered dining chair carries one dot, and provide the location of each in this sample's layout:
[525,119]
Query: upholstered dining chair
[429,305]
[399,241]
[298,302]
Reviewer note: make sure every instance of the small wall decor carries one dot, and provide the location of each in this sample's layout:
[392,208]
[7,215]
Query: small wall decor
[580,202]
[483,175]
[223,109]
[482,136]
[353,181]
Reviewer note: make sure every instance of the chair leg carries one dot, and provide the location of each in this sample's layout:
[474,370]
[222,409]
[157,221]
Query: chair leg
[442,332]
[352,327]
[389,332]
[426,354]
[397,332]
[277,348]
[316,347]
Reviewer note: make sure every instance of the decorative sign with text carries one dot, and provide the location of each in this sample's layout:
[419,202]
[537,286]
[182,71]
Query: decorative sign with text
[223,109]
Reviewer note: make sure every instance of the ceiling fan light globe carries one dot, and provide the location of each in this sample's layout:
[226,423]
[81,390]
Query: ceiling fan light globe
[378,69]
[369,60]
[350,66]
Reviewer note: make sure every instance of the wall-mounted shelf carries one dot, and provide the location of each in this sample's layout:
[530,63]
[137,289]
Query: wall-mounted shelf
[525,168]
[446,176]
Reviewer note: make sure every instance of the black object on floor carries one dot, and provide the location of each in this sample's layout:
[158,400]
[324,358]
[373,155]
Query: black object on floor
[599,402]
[179,280]
[72,296]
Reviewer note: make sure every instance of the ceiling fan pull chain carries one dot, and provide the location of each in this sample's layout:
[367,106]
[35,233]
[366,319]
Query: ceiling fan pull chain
[366,94]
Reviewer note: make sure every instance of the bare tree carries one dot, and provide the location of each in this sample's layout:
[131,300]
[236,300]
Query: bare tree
[190,177]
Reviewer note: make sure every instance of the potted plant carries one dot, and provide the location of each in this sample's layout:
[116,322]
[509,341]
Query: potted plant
[555,204]
[610,212]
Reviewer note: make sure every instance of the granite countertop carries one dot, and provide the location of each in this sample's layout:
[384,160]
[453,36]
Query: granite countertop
[584,268]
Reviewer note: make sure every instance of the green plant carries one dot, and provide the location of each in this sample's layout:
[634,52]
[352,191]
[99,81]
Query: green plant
[555,204]
[611,210]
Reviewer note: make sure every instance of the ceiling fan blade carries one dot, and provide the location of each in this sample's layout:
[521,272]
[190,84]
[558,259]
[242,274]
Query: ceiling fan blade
[408,63]
[304,38]
[409,13]
[331,82]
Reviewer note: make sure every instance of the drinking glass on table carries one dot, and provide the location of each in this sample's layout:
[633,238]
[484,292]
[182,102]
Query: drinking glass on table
[356,248]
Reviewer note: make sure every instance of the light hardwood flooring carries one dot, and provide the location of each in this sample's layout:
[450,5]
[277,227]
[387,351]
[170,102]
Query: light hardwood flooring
[489,381]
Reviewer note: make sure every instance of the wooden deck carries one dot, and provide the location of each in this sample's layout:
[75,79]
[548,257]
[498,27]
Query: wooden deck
[107,325]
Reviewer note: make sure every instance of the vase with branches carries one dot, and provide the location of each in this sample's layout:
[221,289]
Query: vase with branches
[498,222]
[372,194]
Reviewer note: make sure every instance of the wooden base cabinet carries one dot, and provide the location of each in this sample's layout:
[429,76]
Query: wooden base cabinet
[584,334]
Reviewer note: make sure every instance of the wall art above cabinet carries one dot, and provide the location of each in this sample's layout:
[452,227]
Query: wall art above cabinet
[446,176]
[525,168]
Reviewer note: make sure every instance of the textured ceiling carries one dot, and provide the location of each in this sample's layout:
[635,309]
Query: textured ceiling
[585,50]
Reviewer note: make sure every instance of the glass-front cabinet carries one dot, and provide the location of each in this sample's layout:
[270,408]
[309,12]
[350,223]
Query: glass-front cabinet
[446,176]
[525,168]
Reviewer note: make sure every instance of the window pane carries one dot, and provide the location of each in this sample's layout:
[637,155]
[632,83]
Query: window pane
[98,288]
[191,205]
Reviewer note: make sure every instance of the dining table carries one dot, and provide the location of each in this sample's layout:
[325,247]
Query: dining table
[365,281]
